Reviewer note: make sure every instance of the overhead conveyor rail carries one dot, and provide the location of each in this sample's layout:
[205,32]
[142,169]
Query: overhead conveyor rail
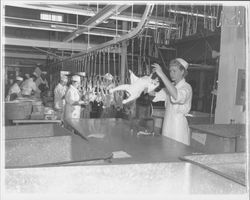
[92,22]
[131,34]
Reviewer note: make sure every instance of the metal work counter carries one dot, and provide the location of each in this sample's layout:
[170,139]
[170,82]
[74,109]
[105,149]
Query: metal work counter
[221,130]
[218,138]
[142,166]
[150,180]
[116,136]
[231,165]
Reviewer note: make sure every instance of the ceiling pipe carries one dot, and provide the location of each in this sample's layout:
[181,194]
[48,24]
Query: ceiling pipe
[92,22]
[147,12]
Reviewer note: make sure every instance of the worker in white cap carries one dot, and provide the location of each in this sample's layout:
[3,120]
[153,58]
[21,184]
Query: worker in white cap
[178,97]
[73,99]
[59,95]
[28,87]
[15,90]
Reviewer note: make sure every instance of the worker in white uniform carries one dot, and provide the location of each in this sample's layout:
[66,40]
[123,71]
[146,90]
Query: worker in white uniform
[15,90]
[73,99]
[28,87]
[59,95]
[178,97]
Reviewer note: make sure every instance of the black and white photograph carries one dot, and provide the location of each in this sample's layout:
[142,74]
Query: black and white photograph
[124,100]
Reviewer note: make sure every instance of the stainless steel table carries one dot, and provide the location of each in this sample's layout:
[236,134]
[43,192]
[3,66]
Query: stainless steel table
[129,180]
[230,165]
[227,138]
[153,170]
[116,136]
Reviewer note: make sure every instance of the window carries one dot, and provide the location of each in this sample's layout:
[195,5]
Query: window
[51,17]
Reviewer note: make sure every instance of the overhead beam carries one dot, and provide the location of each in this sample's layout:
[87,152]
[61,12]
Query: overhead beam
[61,46]
[83,12]
[25,55]
[18,22]
[147,12]
[92,22]
[46,44]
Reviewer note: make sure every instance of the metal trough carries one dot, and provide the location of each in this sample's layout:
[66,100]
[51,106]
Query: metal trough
[49,144]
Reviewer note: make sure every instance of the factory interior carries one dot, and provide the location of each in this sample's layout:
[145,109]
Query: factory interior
[136,99]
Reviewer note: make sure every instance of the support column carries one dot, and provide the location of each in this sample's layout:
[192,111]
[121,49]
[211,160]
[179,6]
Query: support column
[232,58]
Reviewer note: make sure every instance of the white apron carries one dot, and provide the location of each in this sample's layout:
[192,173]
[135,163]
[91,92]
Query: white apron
[175,125]
[72,111]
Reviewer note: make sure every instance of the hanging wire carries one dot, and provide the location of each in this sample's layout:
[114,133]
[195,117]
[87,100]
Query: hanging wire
[140,65]
[114,61]
[91,65]
[87,63]
[145,44]
[82,65]
[108,60]
[164,10]
[196,21]
[175,13]
[132,54]
[119,59]
[99,70]
[205,16]
[95,58]
[104,66]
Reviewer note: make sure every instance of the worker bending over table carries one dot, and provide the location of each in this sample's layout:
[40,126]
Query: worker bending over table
[28,87]
[178,97]
[14,90]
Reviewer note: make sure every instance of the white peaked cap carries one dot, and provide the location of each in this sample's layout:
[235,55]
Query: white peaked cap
[18,78]
[64,78]
[81,73]
[108,76]
[182,62]
[76,78]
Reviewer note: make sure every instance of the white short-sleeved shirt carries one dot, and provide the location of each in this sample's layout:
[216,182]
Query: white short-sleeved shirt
[14,89]
[59,93]
[175,124]
[27,86]
[72,95]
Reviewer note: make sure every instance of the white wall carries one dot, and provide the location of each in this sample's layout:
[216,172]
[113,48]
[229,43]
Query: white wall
[232,58]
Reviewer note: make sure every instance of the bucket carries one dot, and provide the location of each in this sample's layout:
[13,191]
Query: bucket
[18,110]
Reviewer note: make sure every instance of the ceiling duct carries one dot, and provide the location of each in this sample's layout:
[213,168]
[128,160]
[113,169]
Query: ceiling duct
[92,22]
